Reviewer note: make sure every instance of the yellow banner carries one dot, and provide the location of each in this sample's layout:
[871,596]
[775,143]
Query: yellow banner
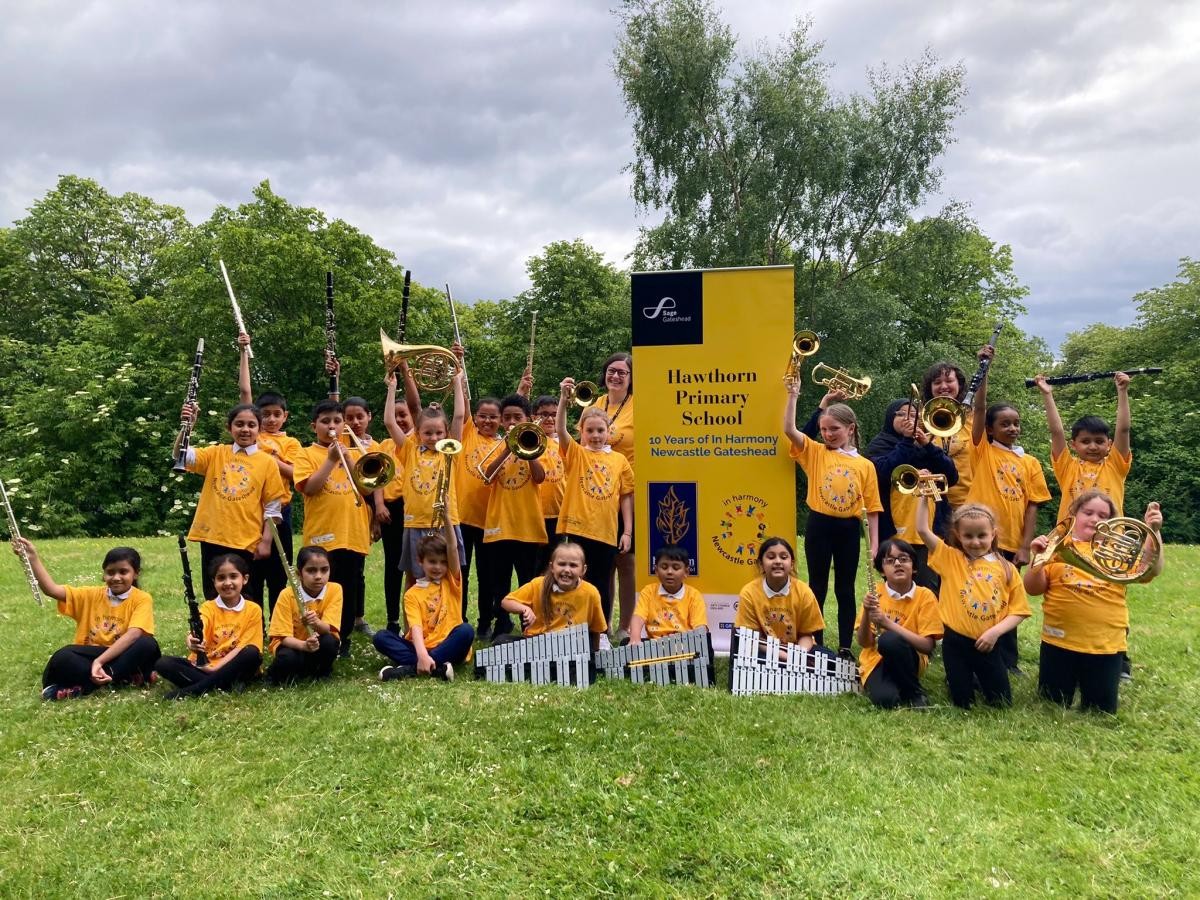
[713,474]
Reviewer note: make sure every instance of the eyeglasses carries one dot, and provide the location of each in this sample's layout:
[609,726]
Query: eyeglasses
[898,560]
[619,374]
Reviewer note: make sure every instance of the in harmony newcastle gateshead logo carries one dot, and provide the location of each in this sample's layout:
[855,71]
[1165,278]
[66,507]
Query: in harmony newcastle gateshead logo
[653,312]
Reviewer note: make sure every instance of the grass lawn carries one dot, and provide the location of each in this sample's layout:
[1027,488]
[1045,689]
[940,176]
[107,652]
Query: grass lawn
[356,788]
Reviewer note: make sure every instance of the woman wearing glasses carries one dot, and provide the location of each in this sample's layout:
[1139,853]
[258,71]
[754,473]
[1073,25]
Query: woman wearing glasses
[617,404]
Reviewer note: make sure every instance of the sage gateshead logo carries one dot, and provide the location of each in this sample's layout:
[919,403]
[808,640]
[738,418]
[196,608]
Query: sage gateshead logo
[668,308]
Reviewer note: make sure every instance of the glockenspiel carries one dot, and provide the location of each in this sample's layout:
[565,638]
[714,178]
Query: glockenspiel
[558,657]
[682,658]
[755,668]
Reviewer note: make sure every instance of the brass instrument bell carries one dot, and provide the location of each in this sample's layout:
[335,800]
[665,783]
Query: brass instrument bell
[1122,551]
[432,367]
[585,394]
[840,380]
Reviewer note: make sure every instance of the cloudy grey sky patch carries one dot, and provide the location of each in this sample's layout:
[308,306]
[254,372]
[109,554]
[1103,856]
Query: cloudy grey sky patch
[465,136]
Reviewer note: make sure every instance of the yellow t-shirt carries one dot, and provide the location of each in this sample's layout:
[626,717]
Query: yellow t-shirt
[1074,476]
[958,448]
[1006,483]
[918,613]
[286,621]
[787,617]
[472,490]
[593,483]
[225,630]
[282,447]
[237,487]
[1082,613]
[620,426]
[421,466]
[575,607]
[665,615]
[394,489]
[904,517]
[332,520]
[514,510]
[976,594]
[550,491]
[838,484]
[99,621]
[436,605]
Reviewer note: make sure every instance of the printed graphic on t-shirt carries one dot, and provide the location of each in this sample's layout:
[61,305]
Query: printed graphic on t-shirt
[598,482]
[839,489]
[424,474]
[234,483]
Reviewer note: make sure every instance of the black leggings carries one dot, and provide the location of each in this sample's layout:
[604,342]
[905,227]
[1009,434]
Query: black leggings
[552,540]
[600,559]
[474,547]
[894,679]
[193,681]
[346,569]
[1096,675]
[827,540]
[208,553]
[392,537]
[71,666]
[291,665]
[965,664]
[922,574]
[504,557]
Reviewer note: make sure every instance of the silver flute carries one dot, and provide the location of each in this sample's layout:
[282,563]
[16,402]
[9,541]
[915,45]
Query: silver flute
[237,310]
[15,534]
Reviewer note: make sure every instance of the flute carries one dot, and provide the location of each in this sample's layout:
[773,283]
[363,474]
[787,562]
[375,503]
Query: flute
[458,339]
[868,568]
[529,358]
[193,391]
[292,579]
[330,333]
[1093,376]
[189,595]
[403,326]
[984,365]
[14,534]
[237,310]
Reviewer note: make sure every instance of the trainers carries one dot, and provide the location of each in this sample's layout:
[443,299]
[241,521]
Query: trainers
[605,643]
[919,701]
[395,673]
[344,652]
[846,653]
[445,671]
[622,637]
[483,632]
[1016,672]
[1126,668]
[364,628]
[54,692]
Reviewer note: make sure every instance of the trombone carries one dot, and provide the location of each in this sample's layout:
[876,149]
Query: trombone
[941,417]
[525,440]
[908,480]
[840,380]
[804,344]
[449,448]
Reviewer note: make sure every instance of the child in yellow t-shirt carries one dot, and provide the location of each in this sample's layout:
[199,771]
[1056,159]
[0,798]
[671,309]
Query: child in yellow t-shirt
[598,483]
[437,636]
[232,630]
[841,483]
[267,575]
[389,513]
[1085,620]
[558,599]
[114,627]
[550,491]
[897,630]
[306,646]
[1095,460]
[668,606]
[778,603]
[981,598]
[357,413]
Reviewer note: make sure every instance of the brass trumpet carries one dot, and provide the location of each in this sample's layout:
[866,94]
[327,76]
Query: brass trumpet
[909,480]
[432,367]
[525,440]
[449,448]
[585,394]
[1122,551]
[840,380]
[805,343]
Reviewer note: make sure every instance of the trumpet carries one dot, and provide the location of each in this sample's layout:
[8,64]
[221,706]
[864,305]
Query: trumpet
[373,469]
[449,448]
[525,440]
[585,394]
[1122,551]
[840,380]
[432,367]
[909,480]
[805,343]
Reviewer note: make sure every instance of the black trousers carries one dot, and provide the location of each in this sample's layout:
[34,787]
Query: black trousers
[194,681]
[965,664]
[830,540]
[391,536]
[475,548]
[1096,675]
[505,558]
[269,572]
[292,665]
[894,680]
[1006,646]
[922,574]
[600,559]
[346,569]
[208,553]
[552,539]
[71,666]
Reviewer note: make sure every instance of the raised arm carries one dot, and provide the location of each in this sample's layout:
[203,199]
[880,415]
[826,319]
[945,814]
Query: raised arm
[49,586]
[412,394]
[928,538]
[1121,438]
[461,401]
[389,411]
[565,389]
[245,392]
[1058,438]
[794,434]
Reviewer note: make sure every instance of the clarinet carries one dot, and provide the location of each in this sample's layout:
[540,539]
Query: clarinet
[1093,376]
[984,365]
[193,391]
[330,332]
[403,325]
[189,594]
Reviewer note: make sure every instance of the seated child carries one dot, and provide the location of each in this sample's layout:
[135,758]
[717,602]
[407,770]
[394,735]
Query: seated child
[558,599]
[778,603]
[671,606]
[306,646]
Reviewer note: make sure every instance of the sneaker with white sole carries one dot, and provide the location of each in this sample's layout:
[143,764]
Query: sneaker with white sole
[364,628]
[605,643]
[54,692]
[395,673]
[445,671]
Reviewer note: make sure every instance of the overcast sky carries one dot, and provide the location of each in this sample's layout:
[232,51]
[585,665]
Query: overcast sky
[467,135]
